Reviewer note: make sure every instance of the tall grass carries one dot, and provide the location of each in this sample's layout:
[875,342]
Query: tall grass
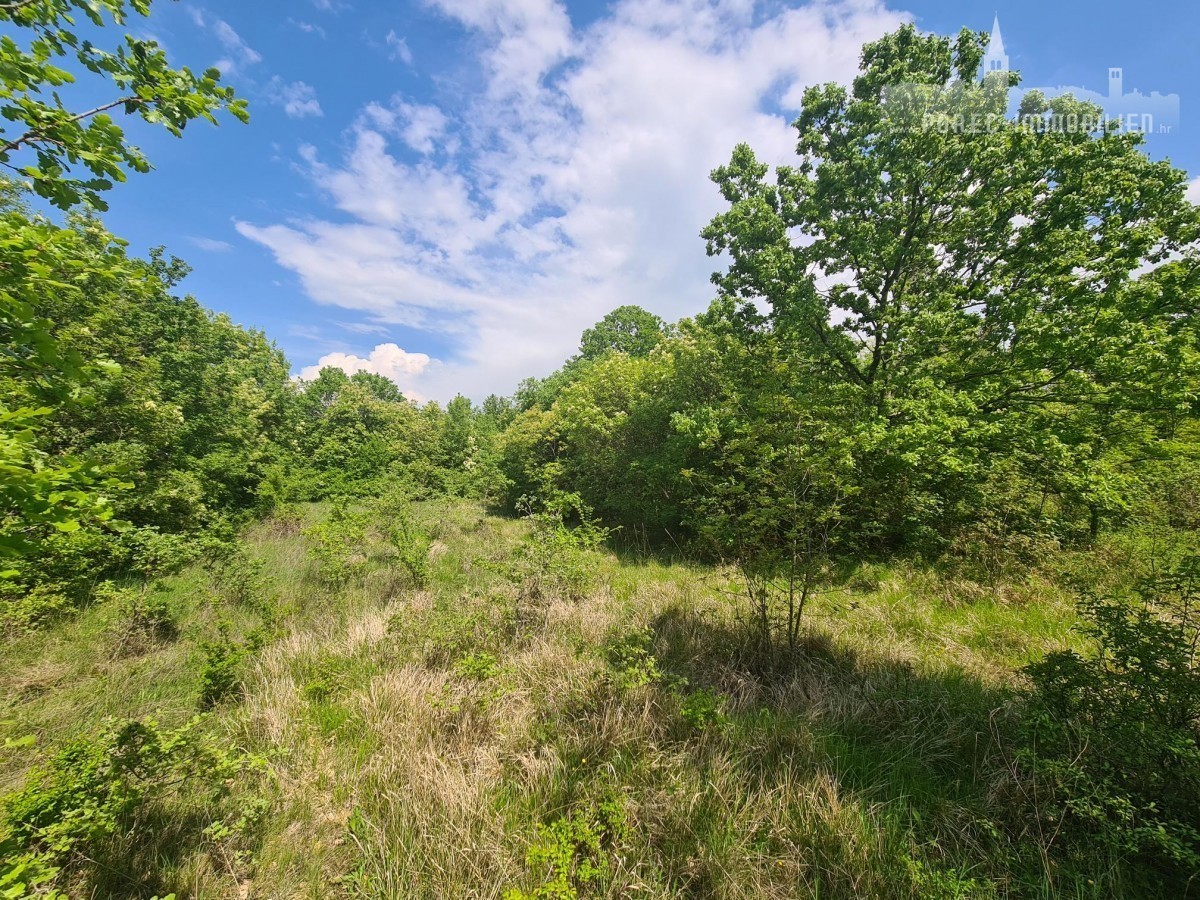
[450,741]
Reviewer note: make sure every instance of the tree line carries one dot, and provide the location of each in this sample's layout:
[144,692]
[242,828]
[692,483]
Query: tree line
[971,346]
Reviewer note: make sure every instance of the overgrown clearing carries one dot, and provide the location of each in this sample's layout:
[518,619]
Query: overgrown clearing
[878,577]
[460,739]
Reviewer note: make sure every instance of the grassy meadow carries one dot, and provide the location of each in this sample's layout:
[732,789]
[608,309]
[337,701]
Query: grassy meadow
[476,736]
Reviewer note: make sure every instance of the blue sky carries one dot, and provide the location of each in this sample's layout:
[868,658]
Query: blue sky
[447,192]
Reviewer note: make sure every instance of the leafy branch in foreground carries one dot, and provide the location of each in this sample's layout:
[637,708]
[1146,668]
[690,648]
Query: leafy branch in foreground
[51,139]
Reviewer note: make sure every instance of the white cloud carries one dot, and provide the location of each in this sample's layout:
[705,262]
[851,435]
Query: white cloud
[307,27]
[240,54]
[1193,191]
[574,183]
[363,327]
[212,245]
[418,124]
[398,48]
[297,98]
[388,360]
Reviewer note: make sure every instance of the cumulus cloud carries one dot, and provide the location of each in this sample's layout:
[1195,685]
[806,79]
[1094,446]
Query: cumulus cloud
[418,124]
[388,360]
[1193,191]
[576,181]
[297,98]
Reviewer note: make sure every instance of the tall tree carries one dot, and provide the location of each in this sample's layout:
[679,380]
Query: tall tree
[44,140]
[982,291]
[627,329]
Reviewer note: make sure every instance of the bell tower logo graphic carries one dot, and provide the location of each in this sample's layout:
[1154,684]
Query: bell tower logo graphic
[992,102]
[1152,113]
[996,59]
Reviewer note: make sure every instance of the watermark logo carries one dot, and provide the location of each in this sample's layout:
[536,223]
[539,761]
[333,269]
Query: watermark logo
[992,104]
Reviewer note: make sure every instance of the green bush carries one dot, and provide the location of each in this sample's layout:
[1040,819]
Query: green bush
[224,659]
[702,709]
[573,852]
[631,660]
[239,574]
[404,535]
[96,789]
[145,617]
[554,559]
[24,608]
[156,554]
[340,544]
[444,634]
[1113,737]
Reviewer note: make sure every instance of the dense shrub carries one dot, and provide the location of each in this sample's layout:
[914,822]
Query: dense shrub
[339,544]
[97,788]
[224,664]
[394,516]
[1113,737]
[553,559]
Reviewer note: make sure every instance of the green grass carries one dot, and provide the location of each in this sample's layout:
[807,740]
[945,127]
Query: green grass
[425,742]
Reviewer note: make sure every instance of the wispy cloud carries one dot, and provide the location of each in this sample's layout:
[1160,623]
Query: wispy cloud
[308,27]
[364,327]
[576,181]
[398,48]
[212,245]
[297,98]
[238,54]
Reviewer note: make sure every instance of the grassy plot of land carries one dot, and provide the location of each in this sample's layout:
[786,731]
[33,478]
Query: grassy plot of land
[496,722]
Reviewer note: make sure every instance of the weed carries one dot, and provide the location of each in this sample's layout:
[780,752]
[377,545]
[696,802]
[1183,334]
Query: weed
[701,709]
[340,545]
[224,658]
[574,852]
[326,681]
[477,666]
[631,661]
[145,617]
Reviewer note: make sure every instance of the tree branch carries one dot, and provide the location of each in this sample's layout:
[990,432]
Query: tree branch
[35,135]
[16,5]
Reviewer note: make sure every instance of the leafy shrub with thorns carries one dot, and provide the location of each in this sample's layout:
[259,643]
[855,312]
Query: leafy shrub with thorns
[145,617]
[404,535]
[224,663]
[574,853]
[554,558]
